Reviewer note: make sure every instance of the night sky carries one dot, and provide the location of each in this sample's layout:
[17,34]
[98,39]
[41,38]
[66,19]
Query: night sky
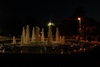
[15,13]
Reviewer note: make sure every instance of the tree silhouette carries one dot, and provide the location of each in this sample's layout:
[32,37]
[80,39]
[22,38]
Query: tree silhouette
[80,12]
[71,25]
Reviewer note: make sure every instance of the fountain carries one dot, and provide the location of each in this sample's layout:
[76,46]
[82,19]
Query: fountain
[33,35]
[42,35]
[38,38]
[27,37]
[14,40]
[63,40]
[23,41]
[49,40]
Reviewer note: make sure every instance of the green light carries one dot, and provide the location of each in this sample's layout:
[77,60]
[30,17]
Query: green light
[49,24]
[53,24]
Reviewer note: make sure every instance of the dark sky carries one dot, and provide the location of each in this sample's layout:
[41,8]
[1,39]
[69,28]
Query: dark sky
[44,10]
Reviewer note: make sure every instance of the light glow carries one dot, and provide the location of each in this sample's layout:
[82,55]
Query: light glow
[49,24]
[79,18]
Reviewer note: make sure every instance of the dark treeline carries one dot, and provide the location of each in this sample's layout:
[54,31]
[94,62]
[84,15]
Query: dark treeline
[70,26]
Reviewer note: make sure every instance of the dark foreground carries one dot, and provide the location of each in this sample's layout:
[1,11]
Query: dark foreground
[84,59]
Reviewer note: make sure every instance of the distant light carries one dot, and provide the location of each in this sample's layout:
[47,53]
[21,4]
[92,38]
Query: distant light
[80,48]
[79,18]
[49,24]
[84,48]
[74,50]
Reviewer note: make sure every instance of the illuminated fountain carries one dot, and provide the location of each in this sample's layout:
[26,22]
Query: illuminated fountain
[63,40]
[14,40]
[49,40]
[38,38]
[42,35]
[33,35]
[23,41]
[27,37]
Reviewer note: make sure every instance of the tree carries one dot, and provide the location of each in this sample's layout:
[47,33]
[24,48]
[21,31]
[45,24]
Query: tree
[80,12]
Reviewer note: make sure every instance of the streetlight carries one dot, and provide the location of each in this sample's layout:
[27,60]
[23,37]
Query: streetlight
[50,33]
[80,31]
[79,23]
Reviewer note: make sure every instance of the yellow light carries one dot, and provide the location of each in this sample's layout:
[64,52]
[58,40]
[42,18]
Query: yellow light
[49,24]
[79,18]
